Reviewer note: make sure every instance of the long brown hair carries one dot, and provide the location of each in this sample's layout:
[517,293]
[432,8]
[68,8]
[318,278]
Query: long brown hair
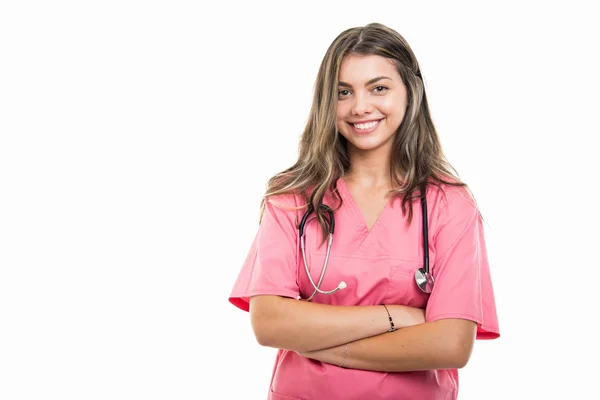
[417,157]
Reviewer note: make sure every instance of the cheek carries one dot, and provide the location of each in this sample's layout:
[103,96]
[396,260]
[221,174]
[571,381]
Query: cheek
[341,112]
[393,110]
[341,124]
[390,106]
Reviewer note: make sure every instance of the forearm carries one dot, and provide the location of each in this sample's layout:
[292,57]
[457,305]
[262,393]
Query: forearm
[440,344]
[302,326]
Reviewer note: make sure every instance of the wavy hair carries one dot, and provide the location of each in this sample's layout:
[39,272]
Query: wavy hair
[417,157]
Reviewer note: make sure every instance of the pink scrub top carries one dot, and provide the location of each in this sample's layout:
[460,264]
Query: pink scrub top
[378,267]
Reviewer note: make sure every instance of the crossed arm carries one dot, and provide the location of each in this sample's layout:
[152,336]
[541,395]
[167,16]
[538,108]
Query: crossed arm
[324,332]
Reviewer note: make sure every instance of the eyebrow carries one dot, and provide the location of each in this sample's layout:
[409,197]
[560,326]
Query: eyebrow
[344,84]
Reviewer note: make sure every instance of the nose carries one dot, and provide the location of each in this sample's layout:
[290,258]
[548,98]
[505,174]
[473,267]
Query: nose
[361,105]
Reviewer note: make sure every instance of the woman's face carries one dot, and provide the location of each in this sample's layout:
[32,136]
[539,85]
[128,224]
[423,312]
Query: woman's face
[371,102]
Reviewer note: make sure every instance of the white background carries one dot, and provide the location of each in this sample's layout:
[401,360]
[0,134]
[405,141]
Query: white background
[137,139]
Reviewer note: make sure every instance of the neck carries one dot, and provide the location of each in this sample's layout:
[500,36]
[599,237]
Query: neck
[369,168]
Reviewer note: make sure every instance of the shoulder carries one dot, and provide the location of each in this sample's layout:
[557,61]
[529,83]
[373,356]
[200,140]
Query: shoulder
[290,205]
[285,201]
[449,200]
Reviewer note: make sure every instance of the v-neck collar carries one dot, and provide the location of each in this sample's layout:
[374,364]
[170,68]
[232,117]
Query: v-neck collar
[349,199]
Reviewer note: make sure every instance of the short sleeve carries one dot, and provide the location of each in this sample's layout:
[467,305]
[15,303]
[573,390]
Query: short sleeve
[463,285]
[270,268]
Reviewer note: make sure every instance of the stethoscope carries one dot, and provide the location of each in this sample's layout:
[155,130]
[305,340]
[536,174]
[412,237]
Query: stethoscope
[423,276]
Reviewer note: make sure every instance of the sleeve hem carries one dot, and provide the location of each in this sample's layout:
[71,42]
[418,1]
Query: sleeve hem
[484,332]
[242,299]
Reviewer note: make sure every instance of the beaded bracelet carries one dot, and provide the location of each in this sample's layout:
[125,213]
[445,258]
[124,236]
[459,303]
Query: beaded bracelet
[393,328]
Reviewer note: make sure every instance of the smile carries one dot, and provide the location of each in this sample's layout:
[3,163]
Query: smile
[366,127]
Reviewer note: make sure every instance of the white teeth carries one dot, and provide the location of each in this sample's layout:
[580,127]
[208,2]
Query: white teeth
[367,125]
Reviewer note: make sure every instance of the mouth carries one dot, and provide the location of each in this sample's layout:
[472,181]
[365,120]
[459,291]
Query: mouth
[365,127]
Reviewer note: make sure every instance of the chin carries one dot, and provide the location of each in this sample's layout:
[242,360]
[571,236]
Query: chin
[364,145]
[368,141]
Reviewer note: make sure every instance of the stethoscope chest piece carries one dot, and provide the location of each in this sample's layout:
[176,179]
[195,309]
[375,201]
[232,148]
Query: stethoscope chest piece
[424,280]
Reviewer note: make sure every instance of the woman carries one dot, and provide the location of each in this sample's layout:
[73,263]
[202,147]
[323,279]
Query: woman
[367,152]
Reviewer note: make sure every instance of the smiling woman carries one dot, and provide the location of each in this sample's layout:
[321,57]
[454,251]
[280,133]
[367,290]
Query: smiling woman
[368,152]
[370,110]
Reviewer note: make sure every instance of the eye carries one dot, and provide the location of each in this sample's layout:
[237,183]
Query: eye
[343,92]
[380,89]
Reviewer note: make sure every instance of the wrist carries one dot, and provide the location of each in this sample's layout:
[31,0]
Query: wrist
[390,319]
[344,356]
[405,316]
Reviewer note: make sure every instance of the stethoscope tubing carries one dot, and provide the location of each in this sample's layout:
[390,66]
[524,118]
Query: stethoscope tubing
[425,234]
[423,277]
